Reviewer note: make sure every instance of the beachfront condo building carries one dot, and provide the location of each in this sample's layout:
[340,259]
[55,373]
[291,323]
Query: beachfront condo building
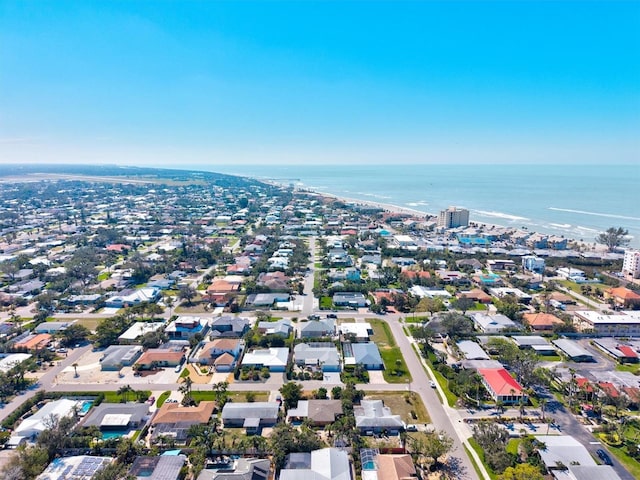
[631,264]
[453,217]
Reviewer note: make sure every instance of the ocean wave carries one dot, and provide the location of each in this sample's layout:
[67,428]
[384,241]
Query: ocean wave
[586,229]
[595,214]
[561,225]
[417,204]
[373,195]
[506,216]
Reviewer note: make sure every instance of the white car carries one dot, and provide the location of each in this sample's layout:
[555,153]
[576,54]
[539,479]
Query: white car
[432,384]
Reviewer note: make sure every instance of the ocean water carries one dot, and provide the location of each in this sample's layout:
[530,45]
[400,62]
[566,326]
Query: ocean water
[577,201]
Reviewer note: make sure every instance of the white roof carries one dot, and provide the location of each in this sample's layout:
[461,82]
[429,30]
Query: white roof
[472,351]
[115,420]
[36,423]
[564,449]
[140,328]
[626,317]
[8,362]
[360,330]
[269,357]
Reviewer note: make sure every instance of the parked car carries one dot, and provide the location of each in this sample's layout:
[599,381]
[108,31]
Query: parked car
[604,456]
[432,384]
[332,315]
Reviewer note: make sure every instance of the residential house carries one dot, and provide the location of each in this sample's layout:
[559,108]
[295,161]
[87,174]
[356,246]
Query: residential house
[184,327]
[316,412]
[138,330]
[488,323]
[160,358]
[534,342]
[117,356]
[324,464]
[322,355]
[238,469]
[223,353]
[160,467]
[221,292]
[356,331]
[452,277]
[541,322]
[317,328]
[372,416]
[78,467]
[229,326]
[266,300]
[250,415]
[349,299]
[134,297]
[365,354]
[33,342]
[275,358]
[274,281]
[282,327]
[117,417]
[622,297]
[34,425]
[173,420]
[477,295]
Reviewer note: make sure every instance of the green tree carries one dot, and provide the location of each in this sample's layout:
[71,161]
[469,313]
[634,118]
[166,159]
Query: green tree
[463,304]
[613,238]
[429,448]
[522,471]
[187,293]
[291,392]
[74,334]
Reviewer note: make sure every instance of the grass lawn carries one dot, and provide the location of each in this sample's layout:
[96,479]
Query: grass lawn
[628,368]
[451,398]
[416,319]
[632,465]
[326,303]
[512,446]
[113,397]
[473,461]
[391,354]
[480,453]
[163,396]
[201,395]
[90,323]
[551,358]
[196,306]
[397,402]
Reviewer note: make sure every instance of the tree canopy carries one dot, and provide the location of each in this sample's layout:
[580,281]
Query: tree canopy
[613,238]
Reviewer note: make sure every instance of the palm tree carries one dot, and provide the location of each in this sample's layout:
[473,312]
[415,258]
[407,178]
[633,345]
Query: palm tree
[168,301]
[543,403]
[124,392]
[75,369]
[185,389]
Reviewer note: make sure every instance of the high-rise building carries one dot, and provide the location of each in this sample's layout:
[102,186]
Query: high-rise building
[631,264]
[453,217]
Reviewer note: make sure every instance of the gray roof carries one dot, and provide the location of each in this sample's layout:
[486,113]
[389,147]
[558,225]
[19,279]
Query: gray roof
[366,353]
[116,354]
[235,410]
[571,348]
[472,351]
[316,410]
[325,464]
[529,340]
[318,327]
[589,472]
[95,417]
[242,469]
[325,353]
[373,414]
[564,449]
[163,467]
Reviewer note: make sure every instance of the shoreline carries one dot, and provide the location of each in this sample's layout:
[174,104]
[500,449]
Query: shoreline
[390,207]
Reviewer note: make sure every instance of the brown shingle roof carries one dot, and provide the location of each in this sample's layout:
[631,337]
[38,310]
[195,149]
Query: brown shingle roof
[396,467]
[176,413]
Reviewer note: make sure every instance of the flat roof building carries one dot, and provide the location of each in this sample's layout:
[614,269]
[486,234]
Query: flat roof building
[573,350]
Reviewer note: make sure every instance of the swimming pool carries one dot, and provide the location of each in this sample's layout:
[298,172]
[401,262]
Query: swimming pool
[86,406]
[370,465]
[114,434]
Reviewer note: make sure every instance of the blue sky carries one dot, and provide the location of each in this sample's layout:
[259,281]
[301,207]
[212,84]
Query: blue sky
[200,82]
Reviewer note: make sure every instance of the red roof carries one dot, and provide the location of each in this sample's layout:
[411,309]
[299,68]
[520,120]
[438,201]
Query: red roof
[584,384]
[623,293]
[627,351]
[609,389]
[500,381]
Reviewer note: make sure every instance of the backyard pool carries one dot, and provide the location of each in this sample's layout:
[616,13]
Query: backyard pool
[86,406]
